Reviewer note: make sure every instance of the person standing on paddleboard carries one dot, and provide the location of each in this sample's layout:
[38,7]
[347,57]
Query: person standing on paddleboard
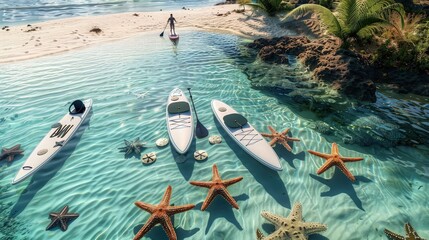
[171,20]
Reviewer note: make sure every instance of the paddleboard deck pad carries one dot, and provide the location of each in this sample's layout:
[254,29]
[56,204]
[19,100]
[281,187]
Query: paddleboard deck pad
[180,123]
[55,140]
[245,135]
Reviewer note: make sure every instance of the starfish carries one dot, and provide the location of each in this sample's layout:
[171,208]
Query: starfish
[10,153]
[410,234]
[335,159]
[161,214]
[217,186]
[292,227]
[280,137]
[134,146]
[61,218]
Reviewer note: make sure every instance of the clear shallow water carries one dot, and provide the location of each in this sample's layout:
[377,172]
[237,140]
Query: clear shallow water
[29,11]
[129,82]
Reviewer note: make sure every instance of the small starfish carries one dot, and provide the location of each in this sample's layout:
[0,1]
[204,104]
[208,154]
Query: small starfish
[292,227]
[409,231]
[132,146]
[335,159]
[61,218]
[10,153]
[161,214]
[217,186]
[280,137]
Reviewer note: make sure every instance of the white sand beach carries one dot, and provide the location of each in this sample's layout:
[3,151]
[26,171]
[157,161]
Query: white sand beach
[52,37]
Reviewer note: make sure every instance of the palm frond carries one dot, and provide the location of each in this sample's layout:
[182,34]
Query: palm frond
[326,16]
[256,6]
[383,8]
[372,29]
[271,7]
[347,12]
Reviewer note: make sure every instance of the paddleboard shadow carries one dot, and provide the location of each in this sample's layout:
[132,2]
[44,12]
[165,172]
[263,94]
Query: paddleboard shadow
[40,178]
[284,154]
[185,162]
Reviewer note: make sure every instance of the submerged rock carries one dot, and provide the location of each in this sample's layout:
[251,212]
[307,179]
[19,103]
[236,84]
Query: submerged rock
[339,68]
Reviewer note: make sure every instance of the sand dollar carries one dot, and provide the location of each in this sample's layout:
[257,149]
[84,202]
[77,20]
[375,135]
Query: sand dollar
[161,142]
[149,158]
[42,151]
[200,155]
[215,139]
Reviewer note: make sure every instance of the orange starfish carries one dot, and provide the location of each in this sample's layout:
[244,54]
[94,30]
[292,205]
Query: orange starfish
[217,186]
[335,159]
[280,137]
[161,214]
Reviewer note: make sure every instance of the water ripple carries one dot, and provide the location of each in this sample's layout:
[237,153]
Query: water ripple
[129,84]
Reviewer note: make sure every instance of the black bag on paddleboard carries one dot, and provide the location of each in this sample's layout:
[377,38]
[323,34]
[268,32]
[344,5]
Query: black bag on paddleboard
[77,107]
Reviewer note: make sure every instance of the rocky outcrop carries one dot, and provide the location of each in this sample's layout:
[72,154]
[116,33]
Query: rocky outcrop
[330,64]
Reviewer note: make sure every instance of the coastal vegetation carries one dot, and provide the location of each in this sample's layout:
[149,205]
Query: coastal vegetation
[391,43]
[271,7]
[396,38]
[354,19]
[405,48]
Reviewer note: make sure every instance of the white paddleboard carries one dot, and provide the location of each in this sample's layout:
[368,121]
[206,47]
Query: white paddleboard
[245,135]
[180,123]
[53,142]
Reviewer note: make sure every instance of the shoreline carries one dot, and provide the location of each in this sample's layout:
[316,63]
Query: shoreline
[23,42]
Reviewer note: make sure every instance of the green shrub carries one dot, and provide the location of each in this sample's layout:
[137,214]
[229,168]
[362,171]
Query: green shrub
[271,7]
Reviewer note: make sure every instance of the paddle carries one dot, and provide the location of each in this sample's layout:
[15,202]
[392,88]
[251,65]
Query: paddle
[162,34]
[200,130]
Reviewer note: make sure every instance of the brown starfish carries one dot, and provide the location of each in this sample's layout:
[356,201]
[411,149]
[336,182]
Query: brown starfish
[410,234]
[217,186]
[61,218]
[280,137]
[161,214]
[335,159]
[10,153]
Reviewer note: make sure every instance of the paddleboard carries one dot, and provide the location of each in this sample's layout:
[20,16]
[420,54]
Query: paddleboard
[54,141]
[180,123]
[245,135]
[174,37]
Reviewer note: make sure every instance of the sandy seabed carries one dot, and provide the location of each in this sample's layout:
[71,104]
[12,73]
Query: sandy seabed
[45,38]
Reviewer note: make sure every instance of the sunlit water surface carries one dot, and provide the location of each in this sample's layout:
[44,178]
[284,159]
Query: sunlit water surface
[29,11]
[129,82]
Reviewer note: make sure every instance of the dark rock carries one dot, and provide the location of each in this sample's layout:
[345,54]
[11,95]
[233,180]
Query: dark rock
[403,81]
[331,64]
[271,54]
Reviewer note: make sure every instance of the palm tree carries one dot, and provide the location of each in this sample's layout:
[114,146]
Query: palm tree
[356,19]
[271,7]
[243,3]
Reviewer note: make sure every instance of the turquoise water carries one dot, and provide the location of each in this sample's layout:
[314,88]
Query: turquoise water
[129,82]
[29,11]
